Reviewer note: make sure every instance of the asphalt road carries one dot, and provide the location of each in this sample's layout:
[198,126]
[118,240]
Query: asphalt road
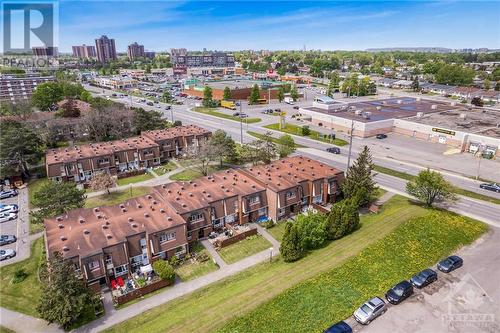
[184,114]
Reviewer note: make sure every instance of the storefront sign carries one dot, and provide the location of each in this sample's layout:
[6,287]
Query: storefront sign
[440,130]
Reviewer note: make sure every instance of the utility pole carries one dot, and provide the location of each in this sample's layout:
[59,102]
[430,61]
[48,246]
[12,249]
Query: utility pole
[172,114]
[241,126]
[350,145]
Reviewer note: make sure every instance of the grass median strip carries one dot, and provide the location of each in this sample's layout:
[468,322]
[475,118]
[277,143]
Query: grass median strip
[213,112]
[457,190]
[243,292]
[315,135]
[315,304]
[275,140]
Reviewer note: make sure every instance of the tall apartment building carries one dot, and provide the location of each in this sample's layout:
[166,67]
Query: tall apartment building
[15,89]
[84,51]
[106,242]
[135,51]
[79,163]
[105,49]
[42,51]
[180,57]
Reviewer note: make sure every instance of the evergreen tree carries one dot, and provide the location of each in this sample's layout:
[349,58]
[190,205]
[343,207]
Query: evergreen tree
[207,97]
[281,94]
[64,296]
[359,176]
[254,95]
[294,94]
[227,94]
[415,85]
[291,246]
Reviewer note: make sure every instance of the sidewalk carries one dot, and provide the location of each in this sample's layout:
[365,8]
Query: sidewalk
[268,236]
[21,323]
[213,252]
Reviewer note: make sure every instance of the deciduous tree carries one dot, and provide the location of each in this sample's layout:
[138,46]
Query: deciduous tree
[227,94]
[223,146]
[254,95]
[286,145]
[430,186]
[102,181]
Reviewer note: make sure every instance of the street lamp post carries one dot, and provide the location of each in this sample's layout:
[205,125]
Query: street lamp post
[241,126]
[270,254]
[350,145]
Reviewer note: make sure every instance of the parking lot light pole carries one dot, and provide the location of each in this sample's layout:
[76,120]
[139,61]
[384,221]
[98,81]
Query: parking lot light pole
[350,145]
[241,126]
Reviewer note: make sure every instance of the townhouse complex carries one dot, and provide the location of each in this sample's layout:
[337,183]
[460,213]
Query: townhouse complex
[79,163]
[107,242]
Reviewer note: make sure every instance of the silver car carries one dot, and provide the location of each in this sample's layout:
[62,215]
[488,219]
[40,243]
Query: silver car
[370,310]
[4,217]
[6,254]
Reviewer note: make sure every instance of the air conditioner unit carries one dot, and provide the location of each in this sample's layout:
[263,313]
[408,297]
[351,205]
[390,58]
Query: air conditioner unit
[358,112]
[420,114]
[434,107]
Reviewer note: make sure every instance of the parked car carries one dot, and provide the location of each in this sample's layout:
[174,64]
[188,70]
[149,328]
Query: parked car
[381,136]
[168,107]
[399,292]
[370,310]
[4,217]
[450,264]
[7,253]
[268,111]
[236,114]
[7,239]
[9,208]
[243,115]
[340,327]
[333,150]
[150,103]
[8,194]
[424,278]
[491,187]
[296,107]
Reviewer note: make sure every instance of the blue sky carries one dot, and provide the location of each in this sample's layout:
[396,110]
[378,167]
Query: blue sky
[325,25]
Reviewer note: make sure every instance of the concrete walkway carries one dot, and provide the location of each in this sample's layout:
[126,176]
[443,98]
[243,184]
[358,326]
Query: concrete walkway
[384,198]
[21,323]
[213,252]
[114,316]
[268,236]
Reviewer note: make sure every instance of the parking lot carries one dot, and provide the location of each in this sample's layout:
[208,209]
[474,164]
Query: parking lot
[465,300]
[18,227]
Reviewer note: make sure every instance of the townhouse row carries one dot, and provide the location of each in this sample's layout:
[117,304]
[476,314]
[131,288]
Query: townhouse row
[151,148]
[107,242]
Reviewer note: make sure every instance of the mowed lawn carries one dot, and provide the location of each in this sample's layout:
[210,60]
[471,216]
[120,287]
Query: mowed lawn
[134,179]
[297,130]
[23,296]
[317,303]
[193,269]
[192,173]
[215,113]
[244,248]
[209,308]
[116,197]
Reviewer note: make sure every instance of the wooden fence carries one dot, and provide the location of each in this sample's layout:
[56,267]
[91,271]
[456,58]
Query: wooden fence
[119,300]
[236,238]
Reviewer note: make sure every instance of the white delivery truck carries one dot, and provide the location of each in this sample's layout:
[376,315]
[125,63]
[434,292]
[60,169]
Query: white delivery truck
[288,100]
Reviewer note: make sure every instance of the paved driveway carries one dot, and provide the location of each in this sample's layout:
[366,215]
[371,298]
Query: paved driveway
[467,300]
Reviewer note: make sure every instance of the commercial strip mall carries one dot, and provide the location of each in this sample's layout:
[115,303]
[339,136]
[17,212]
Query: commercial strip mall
[467,128]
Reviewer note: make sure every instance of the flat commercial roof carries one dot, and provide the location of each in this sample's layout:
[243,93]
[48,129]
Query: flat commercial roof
[383,109]
[478,121]
[241,84]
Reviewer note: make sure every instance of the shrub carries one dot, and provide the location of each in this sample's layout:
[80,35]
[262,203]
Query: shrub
[19,275]
[202,256]
[312,230]
[268,224]
[174,261]
[291,246]
[164,270]
[306,131]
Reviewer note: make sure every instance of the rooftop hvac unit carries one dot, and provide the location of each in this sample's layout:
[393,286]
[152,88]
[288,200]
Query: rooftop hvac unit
[419,99]
[379,107]
[399,101]
[463,116]
[434,107]
[453,103]
[367,115]
[358,112]
[420,114]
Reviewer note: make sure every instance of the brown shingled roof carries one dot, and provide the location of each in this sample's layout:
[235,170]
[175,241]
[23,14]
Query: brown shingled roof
[174,132]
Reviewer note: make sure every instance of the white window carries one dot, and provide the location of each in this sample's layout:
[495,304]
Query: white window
[290,194]
[196,216]
[281,211]
[109,259]
[262,211]
[121,270]
[93,265]
[231,218]
[254,199]
[167,236]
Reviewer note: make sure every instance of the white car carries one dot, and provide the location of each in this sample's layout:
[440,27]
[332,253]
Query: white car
[7,253]
[7,217]
[4,209]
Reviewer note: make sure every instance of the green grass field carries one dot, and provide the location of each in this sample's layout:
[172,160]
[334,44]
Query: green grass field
[245,291]
[165,167]
[297,130]
[275,140]
[244,248]
[4,329]
[456,190]
[116,197]
[332,296]
[193,270]
[278,230]
[190,174]
[23,296]
[134,179]
[213,112]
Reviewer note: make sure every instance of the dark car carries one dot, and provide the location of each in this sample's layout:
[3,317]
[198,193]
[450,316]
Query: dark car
[491,187]
[333,150]
[450,264]
[381,136]
[399,292]
[236,114]
[296,107]
[8,194]
[340,327]
[7,239]
[424,278]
